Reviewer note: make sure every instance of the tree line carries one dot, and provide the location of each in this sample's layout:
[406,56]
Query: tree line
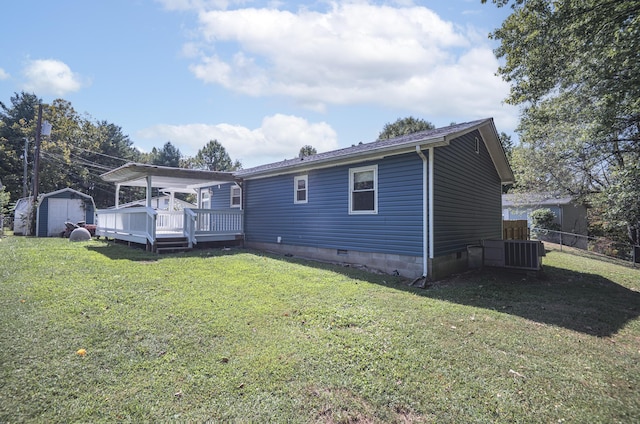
[79,150]
[573,69]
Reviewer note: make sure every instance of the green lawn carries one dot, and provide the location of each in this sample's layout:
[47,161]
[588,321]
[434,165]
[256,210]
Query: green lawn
[248,337]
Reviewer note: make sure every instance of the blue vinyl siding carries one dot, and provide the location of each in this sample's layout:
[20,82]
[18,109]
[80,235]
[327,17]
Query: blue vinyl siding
[43,224]
[325,222]
[467,196]
[221,196]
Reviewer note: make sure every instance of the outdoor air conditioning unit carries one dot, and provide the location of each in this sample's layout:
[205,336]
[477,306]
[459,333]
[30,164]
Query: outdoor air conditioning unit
[518,254]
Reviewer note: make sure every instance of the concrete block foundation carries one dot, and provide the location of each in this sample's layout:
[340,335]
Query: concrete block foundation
[406,266]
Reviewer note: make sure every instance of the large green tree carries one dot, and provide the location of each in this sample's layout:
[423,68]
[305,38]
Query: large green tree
[214,157]
[307,150]
[572,66]
[74,155]
[17,122]
[169,155]
[404,126]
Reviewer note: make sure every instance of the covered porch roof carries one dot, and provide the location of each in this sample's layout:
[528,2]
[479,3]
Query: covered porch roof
[166,178]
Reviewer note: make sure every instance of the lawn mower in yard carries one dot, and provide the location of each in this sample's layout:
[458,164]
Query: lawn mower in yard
[70,226]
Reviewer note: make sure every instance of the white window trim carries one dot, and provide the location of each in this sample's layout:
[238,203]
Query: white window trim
[305,178]
[352,171]
[205,198]
[239,205]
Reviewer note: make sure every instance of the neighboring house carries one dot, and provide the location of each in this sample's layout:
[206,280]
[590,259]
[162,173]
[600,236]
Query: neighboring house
[53,210]
[412,204]
[161,203]
[570,216]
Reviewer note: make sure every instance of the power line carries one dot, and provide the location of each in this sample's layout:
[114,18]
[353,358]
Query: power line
[98,153]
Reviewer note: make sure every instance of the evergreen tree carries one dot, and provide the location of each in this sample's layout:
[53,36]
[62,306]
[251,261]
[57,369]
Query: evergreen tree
[404,126]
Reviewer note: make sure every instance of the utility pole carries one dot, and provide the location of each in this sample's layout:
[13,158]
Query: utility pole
[42,128]
[26,162]
[36,181]
[36,161]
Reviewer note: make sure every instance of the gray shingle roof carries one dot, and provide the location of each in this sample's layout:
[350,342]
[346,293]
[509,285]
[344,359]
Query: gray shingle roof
[425,137]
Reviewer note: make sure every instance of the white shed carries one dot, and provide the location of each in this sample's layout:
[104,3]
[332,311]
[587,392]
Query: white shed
[21,216]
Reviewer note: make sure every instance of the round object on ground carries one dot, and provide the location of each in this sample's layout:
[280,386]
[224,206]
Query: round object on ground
[80,234]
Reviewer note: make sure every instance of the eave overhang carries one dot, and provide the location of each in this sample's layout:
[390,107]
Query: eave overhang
[164,177]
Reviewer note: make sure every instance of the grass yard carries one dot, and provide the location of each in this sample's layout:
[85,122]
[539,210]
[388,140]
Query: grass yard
[243,336]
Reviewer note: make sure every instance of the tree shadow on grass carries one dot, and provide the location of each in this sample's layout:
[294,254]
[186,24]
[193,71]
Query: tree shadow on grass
[587,303]
[119,250]
[122,251]
[582,302]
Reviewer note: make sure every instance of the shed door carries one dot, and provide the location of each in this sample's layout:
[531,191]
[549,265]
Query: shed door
[61,210]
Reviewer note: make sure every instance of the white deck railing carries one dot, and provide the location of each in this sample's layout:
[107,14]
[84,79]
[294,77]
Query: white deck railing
[209,222]
[131,224]
[169,221]
[144,224]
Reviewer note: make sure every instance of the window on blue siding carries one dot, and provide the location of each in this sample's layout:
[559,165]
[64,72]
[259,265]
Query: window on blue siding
[363,190]
[235,197]
[300,188]
[205,199]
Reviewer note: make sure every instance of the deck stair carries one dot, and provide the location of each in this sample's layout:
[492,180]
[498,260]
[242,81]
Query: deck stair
[172,244]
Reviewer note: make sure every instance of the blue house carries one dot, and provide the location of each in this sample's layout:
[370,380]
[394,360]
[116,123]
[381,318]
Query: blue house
[411,204]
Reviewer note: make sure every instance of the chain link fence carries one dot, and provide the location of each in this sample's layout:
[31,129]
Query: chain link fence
[597,245]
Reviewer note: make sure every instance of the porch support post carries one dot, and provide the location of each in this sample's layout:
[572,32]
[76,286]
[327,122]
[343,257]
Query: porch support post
[172,198]
[149,190]
[117,196]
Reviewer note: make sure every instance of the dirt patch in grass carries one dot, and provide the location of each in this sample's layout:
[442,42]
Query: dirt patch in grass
[341,405]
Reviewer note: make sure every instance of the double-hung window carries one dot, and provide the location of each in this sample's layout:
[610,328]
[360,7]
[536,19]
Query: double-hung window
[300,189]
[205,199]
[363,190]
[236,196]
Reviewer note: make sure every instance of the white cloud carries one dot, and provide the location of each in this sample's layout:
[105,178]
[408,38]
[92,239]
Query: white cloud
[352,53]
[49,76]
[193,4]
[4,74]
[279,137]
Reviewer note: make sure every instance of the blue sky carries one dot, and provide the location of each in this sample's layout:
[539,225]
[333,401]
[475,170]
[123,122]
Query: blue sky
[262,77]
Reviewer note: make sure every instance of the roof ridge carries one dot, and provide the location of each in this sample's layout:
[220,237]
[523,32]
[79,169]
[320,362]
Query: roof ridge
[365,147]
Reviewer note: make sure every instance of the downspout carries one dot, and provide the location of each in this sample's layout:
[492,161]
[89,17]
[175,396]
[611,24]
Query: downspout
[561,217]
[431,203]
[426,224]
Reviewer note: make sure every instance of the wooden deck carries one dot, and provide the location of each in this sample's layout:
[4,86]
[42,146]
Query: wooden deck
[149,227]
